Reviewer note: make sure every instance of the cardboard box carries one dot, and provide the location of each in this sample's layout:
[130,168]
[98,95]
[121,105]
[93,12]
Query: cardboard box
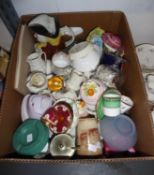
[131,84]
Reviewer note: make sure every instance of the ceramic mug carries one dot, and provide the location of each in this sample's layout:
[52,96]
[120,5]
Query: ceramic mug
[85,56]
[88,137]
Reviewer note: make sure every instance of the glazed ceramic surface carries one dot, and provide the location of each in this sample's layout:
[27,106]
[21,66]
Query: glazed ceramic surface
[119,132]
[62,145]
[145,53]
[59,117]
[34,106]
[88,138]
[85,56]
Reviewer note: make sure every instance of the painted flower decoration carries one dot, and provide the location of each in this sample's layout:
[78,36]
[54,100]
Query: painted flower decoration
[59,118]
[90,88]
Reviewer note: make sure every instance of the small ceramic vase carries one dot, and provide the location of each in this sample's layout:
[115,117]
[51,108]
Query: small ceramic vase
[62,145]
[88,138]
[34,106]
[85,56]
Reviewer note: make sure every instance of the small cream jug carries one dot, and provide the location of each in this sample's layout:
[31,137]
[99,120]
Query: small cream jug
[38,64]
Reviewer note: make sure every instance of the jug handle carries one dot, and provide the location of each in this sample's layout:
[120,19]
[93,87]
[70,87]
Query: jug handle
[67,31]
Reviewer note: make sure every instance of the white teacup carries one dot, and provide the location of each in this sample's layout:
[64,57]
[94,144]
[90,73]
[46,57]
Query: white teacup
[126,104]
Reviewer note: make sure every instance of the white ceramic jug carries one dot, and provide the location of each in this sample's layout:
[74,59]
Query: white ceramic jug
[38,64]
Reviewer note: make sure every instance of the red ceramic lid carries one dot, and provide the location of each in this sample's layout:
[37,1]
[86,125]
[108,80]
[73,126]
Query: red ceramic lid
[59,117]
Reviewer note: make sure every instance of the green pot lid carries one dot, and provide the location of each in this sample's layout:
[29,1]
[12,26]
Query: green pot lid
[30,137]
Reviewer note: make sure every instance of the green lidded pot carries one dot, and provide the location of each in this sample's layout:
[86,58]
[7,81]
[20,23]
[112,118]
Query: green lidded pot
[30,137]
[109,103]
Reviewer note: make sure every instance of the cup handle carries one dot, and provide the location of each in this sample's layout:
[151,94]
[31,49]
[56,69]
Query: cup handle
[67,31]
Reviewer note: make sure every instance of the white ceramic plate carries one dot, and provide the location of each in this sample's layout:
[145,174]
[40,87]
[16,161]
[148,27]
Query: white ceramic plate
[145,53]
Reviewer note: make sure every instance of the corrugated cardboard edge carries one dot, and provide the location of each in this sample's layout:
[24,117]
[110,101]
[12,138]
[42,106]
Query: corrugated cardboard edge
[77,161]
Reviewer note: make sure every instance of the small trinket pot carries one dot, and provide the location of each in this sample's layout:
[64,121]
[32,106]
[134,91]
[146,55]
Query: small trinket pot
[109,104]
[91,91]
[119,132]
[61,64]
[62,145]
[112,42]
[55,83]
[88,138]
[34,106]
[59,117]
[36,82]
[31,138]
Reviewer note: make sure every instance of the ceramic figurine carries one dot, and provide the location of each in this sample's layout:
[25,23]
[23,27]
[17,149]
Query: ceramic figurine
[34,106]
[36,82]
[62,145]
[85,56]
[95,37]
